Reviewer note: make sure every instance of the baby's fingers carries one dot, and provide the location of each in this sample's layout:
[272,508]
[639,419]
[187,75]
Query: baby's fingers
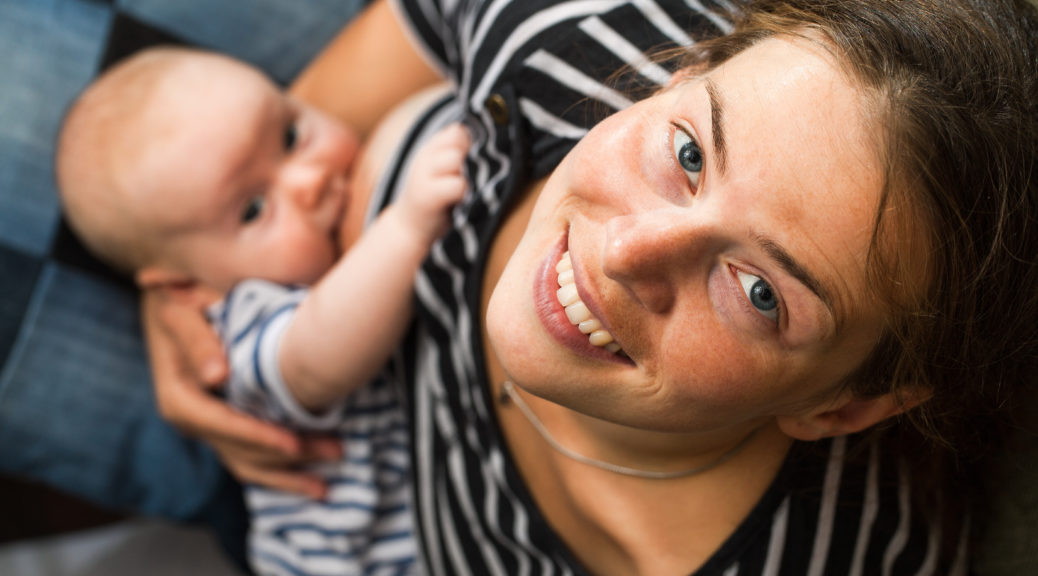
[447,149]
[454,136]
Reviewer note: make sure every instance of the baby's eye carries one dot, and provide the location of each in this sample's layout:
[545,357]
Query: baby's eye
[253,209]
[762,296]
[290,137]
[688,155]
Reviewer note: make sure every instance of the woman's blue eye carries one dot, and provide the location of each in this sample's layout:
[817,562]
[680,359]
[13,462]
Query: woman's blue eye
[290,137]
[762,296]
[253,209]
[688,155]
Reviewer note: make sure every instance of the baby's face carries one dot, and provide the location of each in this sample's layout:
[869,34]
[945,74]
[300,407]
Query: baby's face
[241,181]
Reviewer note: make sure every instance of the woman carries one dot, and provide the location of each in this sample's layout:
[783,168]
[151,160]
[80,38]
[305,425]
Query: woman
[695,310]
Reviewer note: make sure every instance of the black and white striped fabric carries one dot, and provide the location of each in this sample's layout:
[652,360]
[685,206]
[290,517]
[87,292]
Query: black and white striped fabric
[364,526]
[531,76]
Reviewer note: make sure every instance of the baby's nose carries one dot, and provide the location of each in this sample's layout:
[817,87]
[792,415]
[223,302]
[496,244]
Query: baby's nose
[307,185]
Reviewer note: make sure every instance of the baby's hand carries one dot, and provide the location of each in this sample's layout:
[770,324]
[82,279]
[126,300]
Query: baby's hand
[436,181]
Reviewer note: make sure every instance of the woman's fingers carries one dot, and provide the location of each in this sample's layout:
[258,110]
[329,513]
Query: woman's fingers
[187,359]
[283,479]
[175,317]
[320,448]
[264,463]
[211,419]
[312,449]
[178,391]
[254,451]
[259,452]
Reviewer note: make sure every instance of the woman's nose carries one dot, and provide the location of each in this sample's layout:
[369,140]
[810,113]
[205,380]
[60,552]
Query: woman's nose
[651,254]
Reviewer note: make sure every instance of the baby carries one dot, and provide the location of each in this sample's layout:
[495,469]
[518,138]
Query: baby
[193,171]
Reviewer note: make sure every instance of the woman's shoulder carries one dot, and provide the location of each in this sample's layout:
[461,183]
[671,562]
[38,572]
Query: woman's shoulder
[850,504]
[381,151]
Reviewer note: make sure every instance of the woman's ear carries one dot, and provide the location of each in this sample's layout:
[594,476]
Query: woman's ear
[850,413]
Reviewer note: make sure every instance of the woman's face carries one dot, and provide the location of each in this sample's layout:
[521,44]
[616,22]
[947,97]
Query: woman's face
[717,232]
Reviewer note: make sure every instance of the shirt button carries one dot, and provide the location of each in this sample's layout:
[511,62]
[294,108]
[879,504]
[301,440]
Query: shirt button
[498,109]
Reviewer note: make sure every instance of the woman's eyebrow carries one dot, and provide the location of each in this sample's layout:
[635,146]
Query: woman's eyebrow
[785,260]
[717,125]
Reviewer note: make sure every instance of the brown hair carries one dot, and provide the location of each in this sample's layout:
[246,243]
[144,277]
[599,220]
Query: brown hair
[956,84]
[953,87]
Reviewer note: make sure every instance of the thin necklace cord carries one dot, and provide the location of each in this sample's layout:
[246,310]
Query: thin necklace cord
[509,389]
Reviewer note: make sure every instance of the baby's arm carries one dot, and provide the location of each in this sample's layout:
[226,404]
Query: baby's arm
[349,323]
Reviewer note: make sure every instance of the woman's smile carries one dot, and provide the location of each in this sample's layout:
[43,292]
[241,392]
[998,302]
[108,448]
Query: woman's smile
[566,314]
[577,311]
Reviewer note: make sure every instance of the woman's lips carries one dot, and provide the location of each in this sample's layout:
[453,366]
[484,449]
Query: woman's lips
[577,312]
[564,314]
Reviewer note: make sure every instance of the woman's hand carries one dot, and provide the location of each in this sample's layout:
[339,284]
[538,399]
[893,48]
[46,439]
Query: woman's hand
[188,362]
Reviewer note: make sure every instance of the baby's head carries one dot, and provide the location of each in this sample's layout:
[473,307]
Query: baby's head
[187,167]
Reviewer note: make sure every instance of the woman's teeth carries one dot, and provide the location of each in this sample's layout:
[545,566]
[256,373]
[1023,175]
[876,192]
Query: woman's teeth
[578,312]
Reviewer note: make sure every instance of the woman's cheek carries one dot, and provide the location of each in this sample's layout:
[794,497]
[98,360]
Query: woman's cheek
[709,341]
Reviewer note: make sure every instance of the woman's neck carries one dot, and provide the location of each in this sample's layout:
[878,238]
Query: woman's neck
[626,524]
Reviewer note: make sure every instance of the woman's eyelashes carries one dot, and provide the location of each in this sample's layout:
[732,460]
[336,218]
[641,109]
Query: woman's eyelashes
[253,209]
[760,294]
[688,154]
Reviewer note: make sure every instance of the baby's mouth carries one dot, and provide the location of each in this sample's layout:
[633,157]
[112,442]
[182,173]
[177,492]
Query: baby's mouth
[578,313]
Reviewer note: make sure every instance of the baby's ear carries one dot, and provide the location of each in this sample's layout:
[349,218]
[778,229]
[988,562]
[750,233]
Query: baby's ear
[850,413]
[180,286]
[161,277]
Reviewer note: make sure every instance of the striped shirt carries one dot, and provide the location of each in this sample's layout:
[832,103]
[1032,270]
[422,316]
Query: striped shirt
[531,76]
[365,524]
